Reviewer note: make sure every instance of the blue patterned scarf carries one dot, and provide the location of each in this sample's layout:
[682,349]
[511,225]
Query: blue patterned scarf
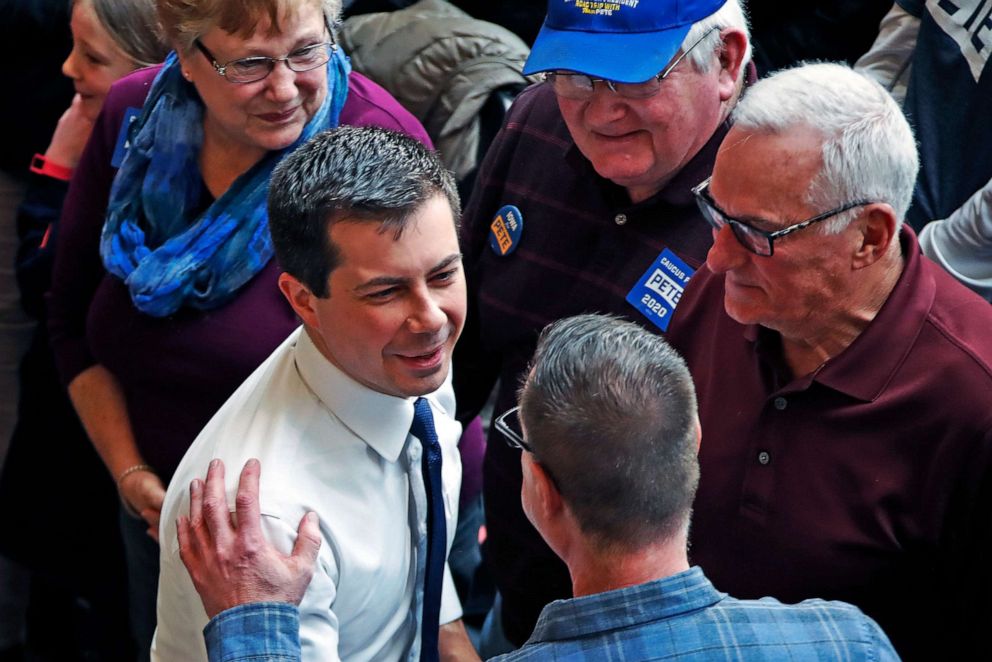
[166,259]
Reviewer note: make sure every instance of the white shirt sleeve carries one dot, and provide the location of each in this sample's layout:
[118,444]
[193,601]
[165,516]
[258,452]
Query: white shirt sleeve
[962,243]
[889,59]
[181,617]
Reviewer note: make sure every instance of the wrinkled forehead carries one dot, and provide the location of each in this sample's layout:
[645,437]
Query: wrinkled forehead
[768,159]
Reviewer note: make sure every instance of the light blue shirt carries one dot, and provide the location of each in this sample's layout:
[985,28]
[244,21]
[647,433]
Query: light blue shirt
[681,617]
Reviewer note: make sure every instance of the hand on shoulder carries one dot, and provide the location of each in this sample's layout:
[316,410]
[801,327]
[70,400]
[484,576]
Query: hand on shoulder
[227,556]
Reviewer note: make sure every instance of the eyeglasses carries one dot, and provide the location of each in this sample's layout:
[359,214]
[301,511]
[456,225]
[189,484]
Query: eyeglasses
[759,242]
[508,424]
[579,87]
[255,68]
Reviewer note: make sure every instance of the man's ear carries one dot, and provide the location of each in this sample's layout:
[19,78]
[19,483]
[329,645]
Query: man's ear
[300,298]
[877,227]
[731,60]
[547,493]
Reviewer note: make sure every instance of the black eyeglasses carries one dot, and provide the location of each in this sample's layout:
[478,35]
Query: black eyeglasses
[255,68]
[759,242]
[508,424]
[579,87]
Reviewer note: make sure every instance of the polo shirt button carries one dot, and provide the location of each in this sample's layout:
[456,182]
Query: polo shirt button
[781,403]
[764,457]
[620,219]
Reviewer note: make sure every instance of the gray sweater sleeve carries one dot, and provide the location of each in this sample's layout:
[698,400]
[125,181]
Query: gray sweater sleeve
[962,243]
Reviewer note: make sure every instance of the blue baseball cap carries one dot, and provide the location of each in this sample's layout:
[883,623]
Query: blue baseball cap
[627,41]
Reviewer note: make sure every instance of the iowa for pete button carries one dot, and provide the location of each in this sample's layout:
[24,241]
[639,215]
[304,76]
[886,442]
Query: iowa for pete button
[505,230]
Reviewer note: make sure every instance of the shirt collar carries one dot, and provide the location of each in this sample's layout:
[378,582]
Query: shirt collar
[867,365]
[381,421]
[627,607]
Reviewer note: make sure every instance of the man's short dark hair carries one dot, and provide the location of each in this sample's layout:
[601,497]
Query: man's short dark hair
[610,410]
[355,173]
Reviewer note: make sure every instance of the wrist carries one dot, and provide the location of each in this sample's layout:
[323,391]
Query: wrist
[122,478]
[41,165]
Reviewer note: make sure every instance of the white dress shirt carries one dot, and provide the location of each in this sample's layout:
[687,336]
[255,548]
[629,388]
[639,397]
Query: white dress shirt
[328,444]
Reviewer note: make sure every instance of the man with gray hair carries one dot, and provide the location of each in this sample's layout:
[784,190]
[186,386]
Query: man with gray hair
[845,380]
[601,387]
[584,204]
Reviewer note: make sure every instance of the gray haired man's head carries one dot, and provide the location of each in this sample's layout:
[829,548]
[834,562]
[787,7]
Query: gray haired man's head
[868,148]
[610,410]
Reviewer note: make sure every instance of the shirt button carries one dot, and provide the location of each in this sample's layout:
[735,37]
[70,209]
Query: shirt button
[620,219]
[414,453]
[764,458]
[781,403]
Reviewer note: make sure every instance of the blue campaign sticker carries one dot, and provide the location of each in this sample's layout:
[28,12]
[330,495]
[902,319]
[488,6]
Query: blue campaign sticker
[505,230]
[123,143]
[660,289]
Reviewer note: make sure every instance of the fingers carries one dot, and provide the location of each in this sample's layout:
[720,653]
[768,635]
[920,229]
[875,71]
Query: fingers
[184,538]
[155,492]
[307,540]
[246,501]
[193,537]
[215,510]
[195,502]
[152,517]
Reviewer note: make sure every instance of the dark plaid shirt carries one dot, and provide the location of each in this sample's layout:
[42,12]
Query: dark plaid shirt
[583,247]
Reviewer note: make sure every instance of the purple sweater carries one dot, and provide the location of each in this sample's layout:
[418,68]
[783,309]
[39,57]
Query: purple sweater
[176,371]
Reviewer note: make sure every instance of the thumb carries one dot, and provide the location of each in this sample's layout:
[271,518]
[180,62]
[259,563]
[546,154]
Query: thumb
[307,540]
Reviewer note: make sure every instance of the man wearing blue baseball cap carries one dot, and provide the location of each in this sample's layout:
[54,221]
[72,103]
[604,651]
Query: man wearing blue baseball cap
[584,204]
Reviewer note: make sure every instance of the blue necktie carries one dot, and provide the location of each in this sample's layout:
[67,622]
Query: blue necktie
[437,534]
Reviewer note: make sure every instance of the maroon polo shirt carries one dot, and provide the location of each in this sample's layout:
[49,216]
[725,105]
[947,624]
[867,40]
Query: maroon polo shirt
[866,481]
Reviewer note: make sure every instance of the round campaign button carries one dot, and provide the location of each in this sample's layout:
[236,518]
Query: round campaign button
[505,230]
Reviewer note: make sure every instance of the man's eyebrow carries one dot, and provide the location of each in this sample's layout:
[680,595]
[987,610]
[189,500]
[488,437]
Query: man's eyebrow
[757,222]
[446,262]
[392,281]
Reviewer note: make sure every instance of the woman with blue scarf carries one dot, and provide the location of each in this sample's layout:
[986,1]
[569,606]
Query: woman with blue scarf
[164,296]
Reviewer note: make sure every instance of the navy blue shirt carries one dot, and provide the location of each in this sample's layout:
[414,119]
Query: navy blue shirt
[948,104]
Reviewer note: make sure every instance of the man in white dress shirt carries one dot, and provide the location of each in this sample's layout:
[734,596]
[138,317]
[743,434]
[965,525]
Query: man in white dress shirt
[364,225]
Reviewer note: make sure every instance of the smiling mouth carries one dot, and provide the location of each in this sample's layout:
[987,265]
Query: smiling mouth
[275,118]
[617,137]
[428,361]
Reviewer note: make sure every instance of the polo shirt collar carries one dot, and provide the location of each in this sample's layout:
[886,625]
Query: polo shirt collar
[686,592]
[381,421]
[868,364]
